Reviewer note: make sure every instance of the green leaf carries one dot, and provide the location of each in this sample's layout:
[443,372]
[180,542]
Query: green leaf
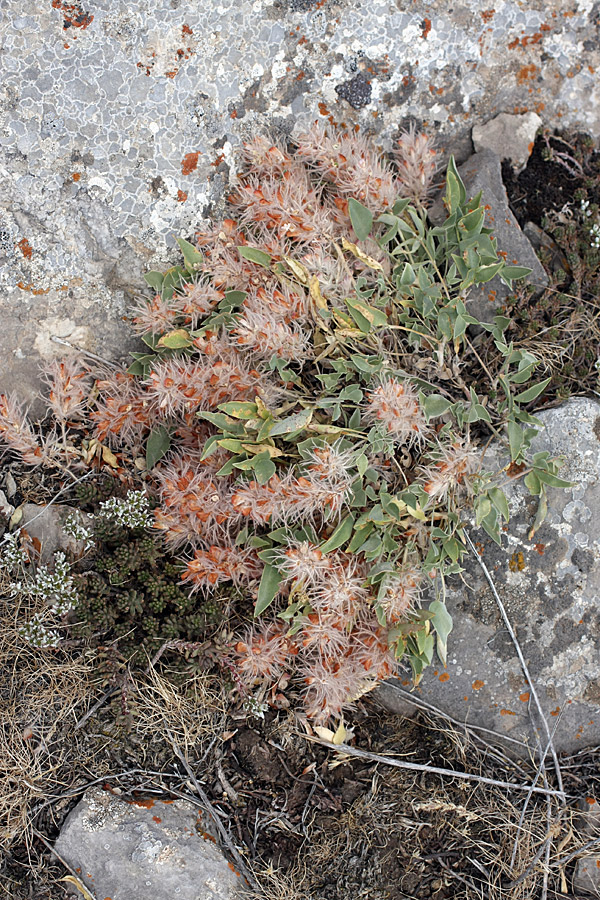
[514,272]
[155,280]
[435,405]
[267,589]
[191,255]
[361,218]
[221,421]
[360,537]
[339,537]
[232,299]
[264,467]
[499,500]
[486,273]
[375,318]
[533,392]
[442,622]
[256,256]
[515,439]
[455,189]
[553,480]
[158,443]
[292,423]
[533,484]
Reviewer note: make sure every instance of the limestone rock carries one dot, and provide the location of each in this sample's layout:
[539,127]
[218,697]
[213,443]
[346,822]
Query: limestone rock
[508,136]
[137,850]
[482,172]
[550,586]
[120,124]
[46,525]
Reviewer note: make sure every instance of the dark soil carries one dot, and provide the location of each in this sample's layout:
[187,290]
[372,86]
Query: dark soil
[557,168]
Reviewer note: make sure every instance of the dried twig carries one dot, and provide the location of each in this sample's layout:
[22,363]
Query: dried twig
[435,770]
[208,806]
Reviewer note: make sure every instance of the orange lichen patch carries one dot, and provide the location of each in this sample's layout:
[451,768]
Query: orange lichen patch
[185,29]
[425,28]
[507,712]
[35,291]
[172,73]
[539,548]
[220,158]
[444,677]
[517,562]
[405,682]
[465,698]
[590,800]
[488,14]
[233,869]
[181,196]
[207,836]
[144,804]
[524,697]
[189,163]
[76,176]
[525,73]
[555,712]
[477,684]
[323,109]
[25,248]
[73,15]
[514,43]
[157,819]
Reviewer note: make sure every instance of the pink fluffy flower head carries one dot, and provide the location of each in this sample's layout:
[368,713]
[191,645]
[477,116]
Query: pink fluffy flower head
[263,652]
[451,469]
[396,405]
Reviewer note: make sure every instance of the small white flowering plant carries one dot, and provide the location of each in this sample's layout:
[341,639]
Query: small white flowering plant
[53,588]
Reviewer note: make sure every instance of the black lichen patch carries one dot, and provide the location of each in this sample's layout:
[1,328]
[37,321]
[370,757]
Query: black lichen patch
[357,92]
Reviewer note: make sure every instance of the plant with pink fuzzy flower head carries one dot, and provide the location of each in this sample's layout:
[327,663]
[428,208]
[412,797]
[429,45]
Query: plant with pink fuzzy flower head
[309,405]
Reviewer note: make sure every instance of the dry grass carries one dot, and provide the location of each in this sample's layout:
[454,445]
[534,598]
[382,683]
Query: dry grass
[421,836]
[43,691]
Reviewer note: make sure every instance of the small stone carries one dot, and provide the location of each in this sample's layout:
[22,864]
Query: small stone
[586,877]
[46,524]
[509,136]
[482,172]
[121,847]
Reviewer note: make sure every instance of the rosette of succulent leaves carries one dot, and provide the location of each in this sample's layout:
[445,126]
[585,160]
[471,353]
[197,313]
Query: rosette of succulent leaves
[314,411]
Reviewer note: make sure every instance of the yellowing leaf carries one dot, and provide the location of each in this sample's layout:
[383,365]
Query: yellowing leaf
[315,292]
[79,885]
[360,254]
[273,452]
[109,457]
[298,269]
[175,340]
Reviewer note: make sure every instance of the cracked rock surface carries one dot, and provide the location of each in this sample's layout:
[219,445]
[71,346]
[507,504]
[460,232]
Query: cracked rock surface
[119,123]
[550,587]
[136,850]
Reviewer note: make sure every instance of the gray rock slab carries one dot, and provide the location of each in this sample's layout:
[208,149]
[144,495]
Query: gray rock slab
[45,524]
[509,136]
[482,172]
[100,104]
[550,586]
[127,850]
